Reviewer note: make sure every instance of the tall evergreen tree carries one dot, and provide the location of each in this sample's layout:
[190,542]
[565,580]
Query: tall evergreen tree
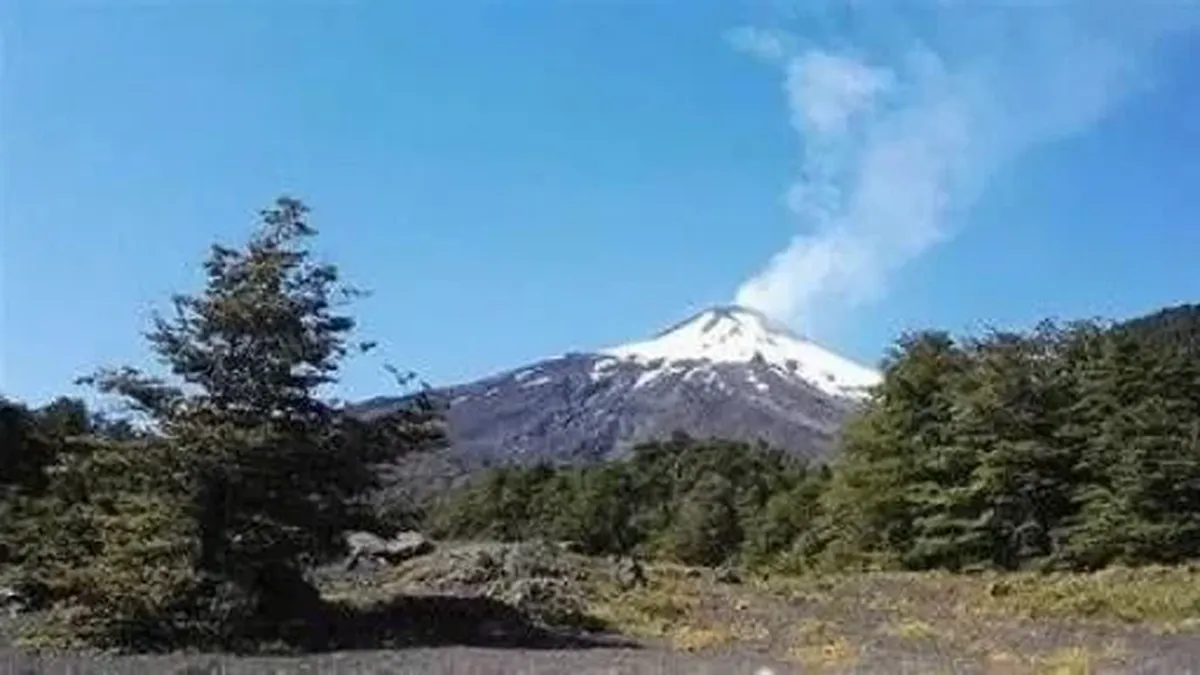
[1136,422]
[271,469]
[1011,479]
[874,503]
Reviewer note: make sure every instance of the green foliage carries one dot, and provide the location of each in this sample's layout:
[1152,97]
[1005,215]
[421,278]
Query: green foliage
[26,452]
[599,515]
[706,526]
[694,501]
[199,529]
[1072,447]
[787,523]
[29,441]
[193,522]
[1173,327]
[879,503]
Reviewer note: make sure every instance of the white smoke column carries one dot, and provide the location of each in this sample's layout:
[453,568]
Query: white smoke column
[899,137]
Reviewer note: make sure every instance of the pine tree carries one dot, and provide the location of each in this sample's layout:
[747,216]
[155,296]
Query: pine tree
[1109,378]
[1134,425]
[1146,457]
[874,505]
[1002,484]
[270,470]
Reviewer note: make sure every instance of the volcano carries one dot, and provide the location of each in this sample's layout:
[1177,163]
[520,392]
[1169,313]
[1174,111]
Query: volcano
[726,372]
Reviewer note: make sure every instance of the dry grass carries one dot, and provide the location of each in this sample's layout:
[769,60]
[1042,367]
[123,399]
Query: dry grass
[1068,661]
[1018,623]
[665,605]
[1162,596]
[682,608]
[911,629]
[1166,597]
[820,644]
[700,638]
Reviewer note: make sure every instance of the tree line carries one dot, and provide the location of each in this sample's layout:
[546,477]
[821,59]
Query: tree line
[694,501]
[1072,447]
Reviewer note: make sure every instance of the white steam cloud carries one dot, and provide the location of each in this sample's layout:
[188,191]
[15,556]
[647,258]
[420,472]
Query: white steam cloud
[900,133]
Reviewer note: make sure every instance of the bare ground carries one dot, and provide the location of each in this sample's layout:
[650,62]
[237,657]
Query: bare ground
[492,609]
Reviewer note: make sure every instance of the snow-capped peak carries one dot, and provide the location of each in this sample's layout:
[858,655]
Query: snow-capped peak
[734,334]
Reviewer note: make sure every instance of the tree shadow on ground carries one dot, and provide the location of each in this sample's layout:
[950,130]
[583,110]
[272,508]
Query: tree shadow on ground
[442,620]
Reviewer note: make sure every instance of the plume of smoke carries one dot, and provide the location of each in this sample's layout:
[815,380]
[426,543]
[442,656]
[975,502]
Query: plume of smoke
[900,133]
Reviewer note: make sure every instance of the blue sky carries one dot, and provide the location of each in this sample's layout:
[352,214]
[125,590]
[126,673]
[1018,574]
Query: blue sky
[514,180]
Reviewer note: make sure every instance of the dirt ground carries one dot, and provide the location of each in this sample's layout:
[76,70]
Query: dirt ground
[484,609]
[1177,656]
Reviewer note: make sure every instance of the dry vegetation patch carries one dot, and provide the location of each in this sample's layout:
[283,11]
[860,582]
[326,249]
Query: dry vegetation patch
[1026,622]
[1019,623]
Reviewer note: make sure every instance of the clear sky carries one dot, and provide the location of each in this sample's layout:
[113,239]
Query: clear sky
[517,179]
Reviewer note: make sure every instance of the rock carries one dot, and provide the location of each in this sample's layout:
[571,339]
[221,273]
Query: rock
[629,573]
[365,542]
[12,602]
[462,571]
[727,575]
[570,547]
[407,545]
[364,547]
[368,546]
[534,577]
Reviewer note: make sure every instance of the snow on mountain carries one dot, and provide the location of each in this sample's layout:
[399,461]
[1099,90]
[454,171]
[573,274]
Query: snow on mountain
[736,334]
[727,372]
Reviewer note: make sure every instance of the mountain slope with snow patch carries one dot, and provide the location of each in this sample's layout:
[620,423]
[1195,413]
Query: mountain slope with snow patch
[740,335]
[727,372]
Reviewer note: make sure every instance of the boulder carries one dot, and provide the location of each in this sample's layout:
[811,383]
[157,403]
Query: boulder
[368,546]
[533,577]
[407,545]
[569,547]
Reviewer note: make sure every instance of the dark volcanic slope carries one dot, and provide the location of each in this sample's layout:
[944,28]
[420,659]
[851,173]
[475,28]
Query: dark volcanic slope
[598,407]
[713,382]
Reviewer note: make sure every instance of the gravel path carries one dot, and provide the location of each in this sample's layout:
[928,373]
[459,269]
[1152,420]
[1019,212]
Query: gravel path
[464,660]
[1179,656]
